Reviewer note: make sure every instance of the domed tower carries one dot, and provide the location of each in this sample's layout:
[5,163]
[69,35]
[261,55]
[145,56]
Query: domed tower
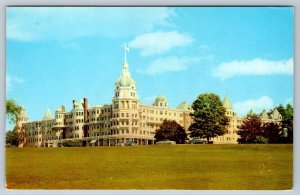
[161,101]
[20,128]
[125,102]
[184,106]
[125,86]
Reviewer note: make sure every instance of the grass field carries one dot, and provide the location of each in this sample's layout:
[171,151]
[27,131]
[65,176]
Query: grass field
[200,167]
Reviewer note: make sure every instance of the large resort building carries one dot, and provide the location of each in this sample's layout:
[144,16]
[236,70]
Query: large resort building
[125,120]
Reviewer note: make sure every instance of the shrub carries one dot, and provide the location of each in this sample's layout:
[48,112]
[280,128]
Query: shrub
[72,143]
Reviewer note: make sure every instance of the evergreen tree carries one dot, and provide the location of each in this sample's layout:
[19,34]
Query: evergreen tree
[287,114]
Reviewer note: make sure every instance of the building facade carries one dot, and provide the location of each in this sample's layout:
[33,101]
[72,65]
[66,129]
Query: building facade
[124,120]
[231,136]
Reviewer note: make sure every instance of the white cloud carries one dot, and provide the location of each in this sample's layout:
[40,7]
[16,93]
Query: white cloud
[159,42]
[67,23]
[257,105]
[12,80]
[168,64]
[254,67]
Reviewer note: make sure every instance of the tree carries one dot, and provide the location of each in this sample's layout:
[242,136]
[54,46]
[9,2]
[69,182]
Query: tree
[12,138]
[287,114]
[171,130]
[250,131]
[208,116]
[287,122]
[273,132]
[12,110]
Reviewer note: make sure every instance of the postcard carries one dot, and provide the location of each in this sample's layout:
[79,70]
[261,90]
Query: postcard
[149,98]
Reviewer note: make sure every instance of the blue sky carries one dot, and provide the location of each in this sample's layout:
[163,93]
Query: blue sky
[55,55]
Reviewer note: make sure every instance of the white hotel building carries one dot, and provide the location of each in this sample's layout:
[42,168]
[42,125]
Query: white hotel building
[125,119]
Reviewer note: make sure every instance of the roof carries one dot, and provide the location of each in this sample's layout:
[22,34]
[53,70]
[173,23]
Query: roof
[47,115]
[264,115]
[161,98]
[125,79]
[93,141]
[78,105]
[226,103]
[23,113]
[275,114]
[184,106]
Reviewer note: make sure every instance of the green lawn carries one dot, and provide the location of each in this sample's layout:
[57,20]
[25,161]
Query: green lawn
[200,167]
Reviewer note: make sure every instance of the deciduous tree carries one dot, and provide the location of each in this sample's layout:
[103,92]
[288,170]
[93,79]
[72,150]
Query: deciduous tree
[171,130]
[12,110]
[250,131]
[208,116]
[12,138]
[273,132]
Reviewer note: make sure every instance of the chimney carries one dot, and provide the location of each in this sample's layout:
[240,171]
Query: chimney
[85,107]
[63,108]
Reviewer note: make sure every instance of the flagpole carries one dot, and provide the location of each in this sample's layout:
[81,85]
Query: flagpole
[125,52]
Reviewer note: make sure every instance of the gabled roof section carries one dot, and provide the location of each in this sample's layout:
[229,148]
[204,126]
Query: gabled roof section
[264,115]
[276,115]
